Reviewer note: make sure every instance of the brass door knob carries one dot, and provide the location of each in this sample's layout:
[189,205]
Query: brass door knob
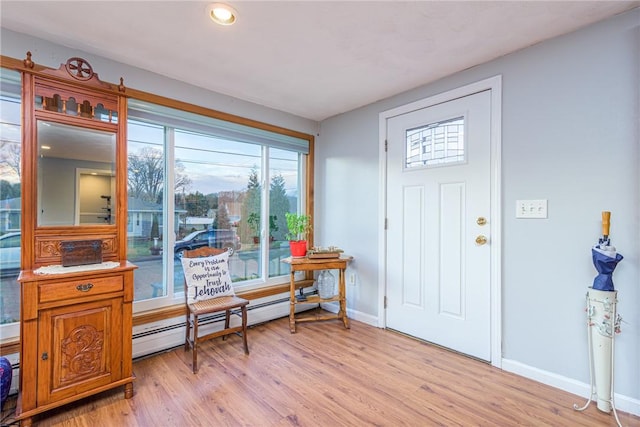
[481,240]
[481,220]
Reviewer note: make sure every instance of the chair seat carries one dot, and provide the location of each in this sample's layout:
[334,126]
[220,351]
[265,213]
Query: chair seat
[217,304]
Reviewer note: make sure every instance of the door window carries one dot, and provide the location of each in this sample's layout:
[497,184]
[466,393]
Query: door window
[435,144]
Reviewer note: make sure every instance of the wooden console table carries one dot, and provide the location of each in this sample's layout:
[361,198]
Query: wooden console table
[306,264]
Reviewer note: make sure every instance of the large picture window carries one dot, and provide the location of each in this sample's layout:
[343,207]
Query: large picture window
[10,198]
[199,181]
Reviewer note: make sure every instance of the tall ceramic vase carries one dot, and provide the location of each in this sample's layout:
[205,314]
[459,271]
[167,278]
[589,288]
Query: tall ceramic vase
[601,310]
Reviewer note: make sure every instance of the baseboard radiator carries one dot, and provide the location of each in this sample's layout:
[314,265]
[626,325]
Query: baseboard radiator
[167,334]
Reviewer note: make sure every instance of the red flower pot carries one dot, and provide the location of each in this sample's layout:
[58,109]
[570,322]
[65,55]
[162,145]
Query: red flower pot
[298,248]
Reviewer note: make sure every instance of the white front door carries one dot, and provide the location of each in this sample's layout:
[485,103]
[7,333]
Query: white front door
[438,260]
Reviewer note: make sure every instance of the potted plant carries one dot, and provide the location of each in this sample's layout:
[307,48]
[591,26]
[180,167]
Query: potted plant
[253,220]
[298,225]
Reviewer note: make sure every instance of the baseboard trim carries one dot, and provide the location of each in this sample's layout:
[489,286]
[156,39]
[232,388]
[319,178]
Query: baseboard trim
[622,402]
[333,307]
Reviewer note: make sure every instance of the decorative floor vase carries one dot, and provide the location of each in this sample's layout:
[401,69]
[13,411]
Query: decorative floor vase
[602,316]
[6,373]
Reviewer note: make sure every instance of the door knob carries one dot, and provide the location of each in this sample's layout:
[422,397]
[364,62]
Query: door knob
[481,240]
[481,220]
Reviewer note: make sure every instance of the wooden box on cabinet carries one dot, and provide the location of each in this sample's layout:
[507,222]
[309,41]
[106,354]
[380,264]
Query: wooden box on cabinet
[76,336]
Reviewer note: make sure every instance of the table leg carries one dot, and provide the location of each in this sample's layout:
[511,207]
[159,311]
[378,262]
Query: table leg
[292,302]
[343,298]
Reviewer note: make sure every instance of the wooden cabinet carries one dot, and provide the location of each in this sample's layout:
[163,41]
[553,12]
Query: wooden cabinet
[80,324]
[75,321]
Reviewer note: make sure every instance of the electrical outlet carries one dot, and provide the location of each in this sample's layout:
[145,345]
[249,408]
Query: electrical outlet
[531,208]
[352,279]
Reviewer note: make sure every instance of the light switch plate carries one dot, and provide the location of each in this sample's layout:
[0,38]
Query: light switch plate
[531,208]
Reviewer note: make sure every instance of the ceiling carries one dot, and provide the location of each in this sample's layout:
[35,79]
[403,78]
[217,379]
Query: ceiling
[314,59]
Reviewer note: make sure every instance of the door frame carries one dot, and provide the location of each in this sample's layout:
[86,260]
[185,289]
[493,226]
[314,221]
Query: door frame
[493,84]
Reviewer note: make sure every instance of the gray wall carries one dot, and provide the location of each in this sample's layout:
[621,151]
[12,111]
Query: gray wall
[16,45]
[570,135]
[57,185]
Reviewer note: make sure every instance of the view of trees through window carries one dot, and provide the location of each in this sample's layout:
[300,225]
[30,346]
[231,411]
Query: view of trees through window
[221,192]
[10,195]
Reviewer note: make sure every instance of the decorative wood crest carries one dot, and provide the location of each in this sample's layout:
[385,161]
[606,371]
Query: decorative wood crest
[77,69]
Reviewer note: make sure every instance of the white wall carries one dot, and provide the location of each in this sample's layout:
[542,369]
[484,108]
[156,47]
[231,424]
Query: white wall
[570,134]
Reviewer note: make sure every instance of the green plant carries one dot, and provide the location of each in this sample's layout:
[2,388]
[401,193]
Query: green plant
[298,225]
[254,223]
[272,224]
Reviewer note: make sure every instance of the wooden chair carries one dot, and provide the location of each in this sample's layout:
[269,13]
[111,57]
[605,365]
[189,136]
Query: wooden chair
[228,304]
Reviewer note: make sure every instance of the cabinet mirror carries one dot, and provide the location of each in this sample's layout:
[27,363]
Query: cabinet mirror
[76,182]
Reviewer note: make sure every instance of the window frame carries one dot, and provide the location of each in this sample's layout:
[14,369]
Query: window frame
[9,330]
[305,202]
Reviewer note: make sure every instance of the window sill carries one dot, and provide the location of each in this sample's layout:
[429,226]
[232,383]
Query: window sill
[177,310]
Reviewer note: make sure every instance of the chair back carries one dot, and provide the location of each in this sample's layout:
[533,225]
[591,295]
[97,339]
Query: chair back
[202,252]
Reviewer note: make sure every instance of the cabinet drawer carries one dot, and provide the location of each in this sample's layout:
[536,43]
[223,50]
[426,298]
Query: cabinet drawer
[79,288]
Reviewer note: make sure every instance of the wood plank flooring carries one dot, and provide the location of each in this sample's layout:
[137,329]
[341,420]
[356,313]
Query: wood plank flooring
[325,375]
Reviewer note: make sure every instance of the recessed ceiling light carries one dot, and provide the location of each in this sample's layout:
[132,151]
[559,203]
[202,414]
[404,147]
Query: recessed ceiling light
[45,147]
[222,14]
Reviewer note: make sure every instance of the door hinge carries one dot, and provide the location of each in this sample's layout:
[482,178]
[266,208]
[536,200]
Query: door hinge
[385,301]
[386,145]
[386,223]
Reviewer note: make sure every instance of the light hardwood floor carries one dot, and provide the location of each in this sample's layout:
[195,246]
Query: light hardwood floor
[325,375]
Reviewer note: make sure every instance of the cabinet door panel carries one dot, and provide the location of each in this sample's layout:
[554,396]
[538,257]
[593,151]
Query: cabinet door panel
[79,349]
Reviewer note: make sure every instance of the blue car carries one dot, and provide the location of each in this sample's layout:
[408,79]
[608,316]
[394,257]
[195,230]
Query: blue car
[212,238]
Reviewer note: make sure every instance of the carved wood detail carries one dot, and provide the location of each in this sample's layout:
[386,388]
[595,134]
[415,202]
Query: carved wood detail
[79,69]
[83,351]
[74,101]
[28,63]
[48,249]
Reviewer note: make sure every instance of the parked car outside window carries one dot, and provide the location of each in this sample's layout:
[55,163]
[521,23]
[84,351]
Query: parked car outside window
[10,253]
[212,238]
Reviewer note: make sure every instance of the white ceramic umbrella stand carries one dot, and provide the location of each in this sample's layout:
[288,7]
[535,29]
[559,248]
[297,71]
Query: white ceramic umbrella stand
[603,323]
